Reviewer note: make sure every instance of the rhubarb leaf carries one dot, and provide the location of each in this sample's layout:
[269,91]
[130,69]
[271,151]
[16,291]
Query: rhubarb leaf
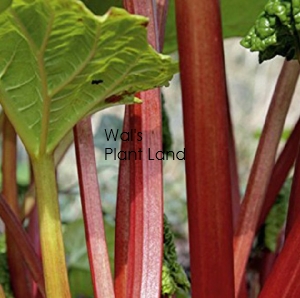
[59,63]
[275,31]
[173,275]
[5,4]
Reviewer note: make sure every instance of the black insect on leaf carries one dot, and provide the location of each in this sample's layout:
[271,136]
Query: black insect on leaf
[96,82]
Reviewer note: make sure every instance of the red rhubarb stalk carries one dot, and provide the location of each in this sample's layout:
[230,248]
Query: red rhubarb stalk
[283,281]
[123,218]
[162,9]
[281,169]
[294,202]
[269,258]
[34,235]
[23,243]
[17,269]
[262,168]
[92,210]
[206,133]
[140,204]
[235,189]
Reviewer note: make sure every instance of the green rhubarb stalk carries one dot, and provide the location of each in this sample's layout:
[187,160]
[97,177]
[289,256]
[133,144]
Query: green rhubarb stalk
[54,264]
[2,294]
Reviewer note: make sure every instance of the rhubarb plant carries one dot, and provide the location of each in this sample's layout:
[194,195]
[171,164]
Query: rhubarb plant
[62,49]
[60,63]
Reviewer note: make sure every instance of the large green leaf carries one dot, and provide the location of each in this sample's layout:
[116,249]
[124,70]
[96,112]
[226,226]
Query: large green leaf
[51,51]
[4,4]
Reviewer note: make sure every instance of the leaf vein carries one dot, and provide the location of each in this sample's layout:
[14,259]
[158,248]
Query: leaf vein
[81,68]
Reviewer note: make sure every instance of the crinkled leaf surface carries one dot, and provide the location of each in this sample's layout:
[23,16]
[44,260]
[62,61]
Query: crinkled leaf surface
[51,51]
[276,31]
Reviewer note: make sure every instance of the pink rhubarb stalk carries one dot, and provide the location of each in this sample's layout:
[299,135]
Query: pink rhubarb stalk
[139,223]
[235,189]
[283,280]
[92,210]
[162,9]
[34,235]
[17,269]
[123,219]
[269,258]
[206,133]
[281,169]
[294,202]
[23,243]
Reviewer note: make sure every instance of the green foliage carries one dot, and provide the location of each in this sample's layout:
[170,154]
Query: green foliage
[276,31]
[5,4]
[46,74]
[4,273]
[276,217]
[170,41]
[167,136]
[4,276]
[237,18]
[239,15]
[77,257]
[173,275]
[80,283]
